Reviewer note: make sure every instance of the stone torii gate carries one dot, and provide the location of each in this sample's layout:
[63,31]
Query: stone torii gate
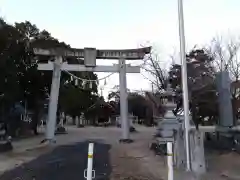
[90,55]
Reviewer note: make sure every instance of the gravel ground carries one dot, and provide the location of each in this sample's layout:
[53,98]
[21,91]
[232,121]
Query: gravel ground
[112,160]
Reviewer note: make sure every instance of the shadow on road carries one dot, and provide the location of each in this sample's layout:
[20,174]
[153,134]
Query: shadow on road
[64,163]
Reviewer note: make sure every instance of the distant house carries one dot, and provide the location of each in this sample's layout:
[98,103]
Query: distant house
[100,112]
[155,103]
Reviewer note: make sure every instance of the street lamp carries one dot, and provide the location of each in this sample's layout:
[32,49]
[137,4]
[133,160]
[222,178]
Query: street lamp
[184,81]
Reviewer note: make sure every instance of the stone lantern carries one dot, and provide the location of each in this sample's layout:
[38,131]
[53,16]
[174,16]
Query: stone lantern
[169,122]
[168,99]
[170,128]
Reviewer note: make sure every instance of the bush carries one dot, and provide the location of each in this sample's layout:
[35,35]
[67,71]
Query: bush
[80,126]
[6,146]
[132,129]
[61,130]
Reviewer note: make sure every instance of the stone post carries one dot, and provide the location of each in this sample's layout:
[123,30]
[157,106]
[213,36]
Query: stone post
[180,149]
[197,152]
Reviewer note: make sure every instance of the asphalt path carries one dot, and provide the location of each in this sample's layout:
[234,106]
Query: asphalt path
[64,163]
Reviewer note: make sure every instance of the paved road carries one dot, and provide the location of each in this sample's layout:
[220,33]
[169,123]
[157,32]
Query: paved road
[63,163]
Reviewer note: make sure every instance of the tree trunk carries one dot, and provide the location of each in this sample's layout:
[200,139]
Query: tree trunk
[77,120]
[74,120]
[35,119]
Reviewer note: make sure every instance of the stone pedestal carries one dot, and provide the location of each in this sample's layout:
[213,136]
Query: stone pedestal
[60,128]
[80,121]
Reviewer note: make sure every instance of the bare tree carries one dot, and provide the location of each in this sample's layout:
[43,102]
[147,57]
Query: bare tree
[225,53]
[115,93]
[157,74]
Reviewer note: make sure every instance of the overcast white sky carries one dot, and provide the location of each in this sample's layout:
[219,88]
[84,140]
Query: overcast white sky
[127,24]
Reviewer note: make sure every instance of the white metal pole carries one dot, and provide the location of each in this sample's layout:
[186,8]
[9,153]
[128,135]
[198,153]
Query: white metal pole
[53,101]
[170,160]
[123,100]
[184,81]
[90,161]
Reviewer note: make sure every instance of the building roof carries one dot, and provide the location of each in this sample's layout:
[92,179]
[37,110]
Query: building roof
[101,103]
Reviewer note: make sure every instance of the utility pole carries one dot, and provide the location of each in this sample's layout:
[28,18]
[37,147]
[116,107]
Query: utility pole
[184,82]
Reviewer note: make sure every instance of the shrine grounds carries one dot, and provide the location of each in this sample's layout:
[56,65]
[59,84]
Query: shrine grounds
[67,159]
